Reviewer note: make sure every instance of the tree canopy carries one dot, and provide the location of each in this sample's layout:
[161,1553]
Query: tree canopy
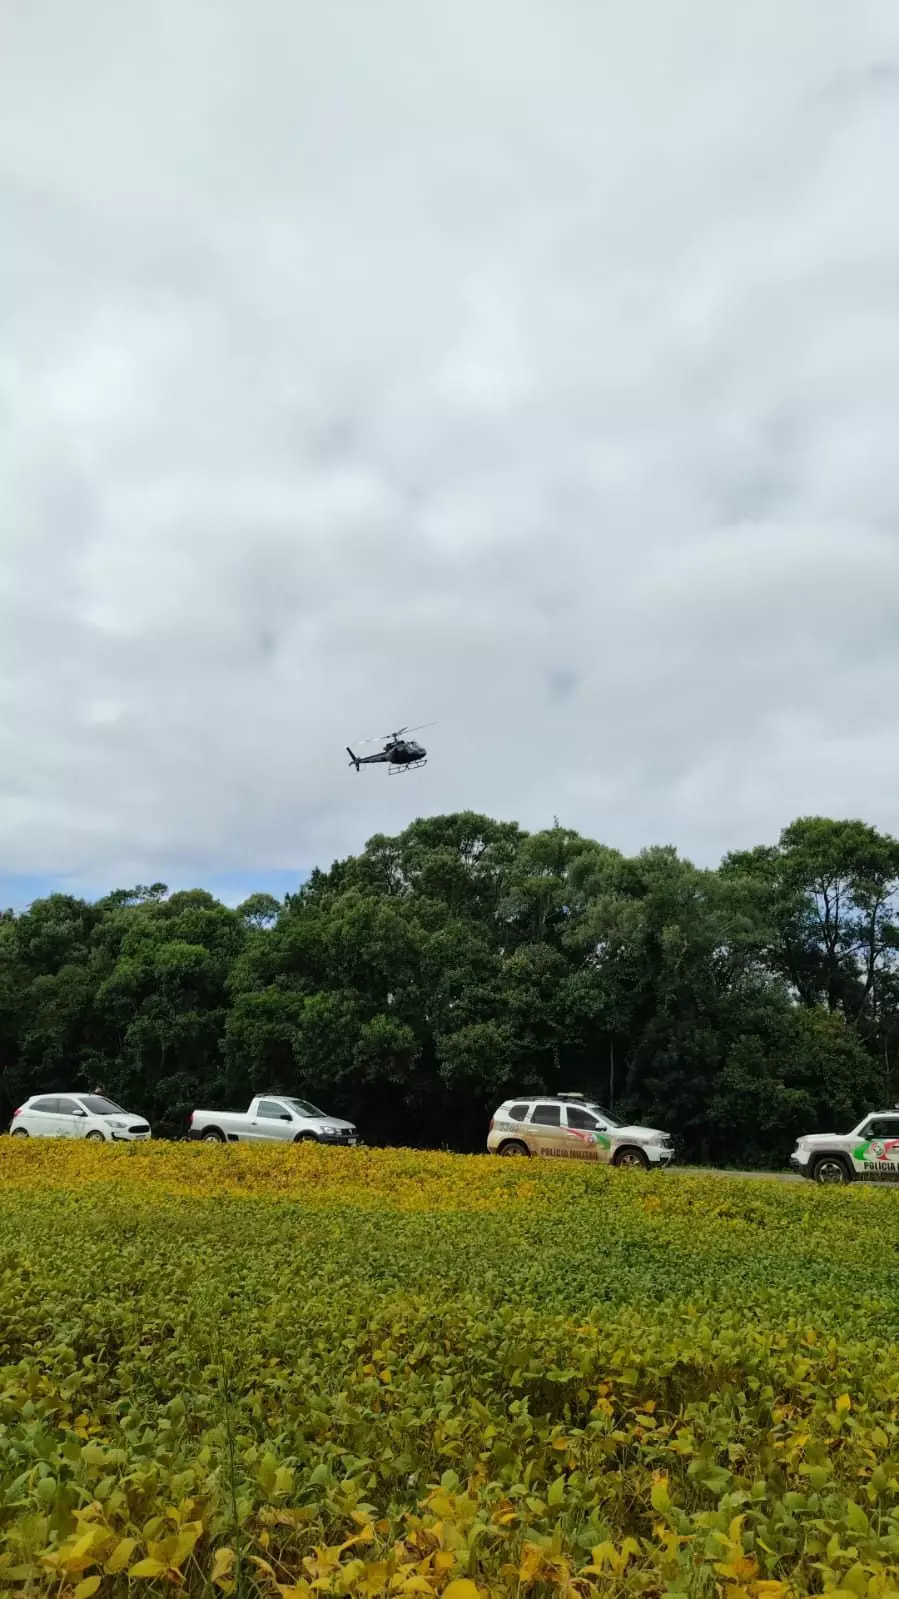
[414,986]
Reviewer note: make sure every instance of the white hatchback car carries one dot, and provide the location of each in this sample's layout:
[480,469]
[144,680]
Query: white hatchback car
[77,1116]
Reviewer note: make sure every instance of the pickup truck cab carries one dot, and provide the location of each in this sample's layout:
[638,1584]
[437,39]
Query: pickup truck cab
[271,1119]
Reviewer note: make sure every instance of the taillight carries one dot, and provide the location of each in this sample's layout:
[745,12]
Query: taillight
[191,1122]
[17,1113]
[491,1124]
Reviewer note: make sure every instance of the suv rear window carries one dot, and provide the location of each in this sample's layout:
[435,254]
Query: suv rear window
[518,1112]
[547,1116]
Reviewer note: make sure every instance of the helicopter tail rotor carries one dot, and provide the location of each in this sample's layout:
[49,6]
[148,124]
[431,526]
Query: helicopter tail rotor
[354,759]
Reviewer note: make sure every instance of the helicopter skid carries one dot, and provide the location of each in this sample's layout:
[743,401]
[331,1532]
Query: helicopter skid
[408,766]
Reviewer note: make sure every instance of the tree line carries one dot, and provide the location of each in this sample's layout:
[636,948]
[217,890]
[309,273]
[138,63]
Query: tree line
[414,986]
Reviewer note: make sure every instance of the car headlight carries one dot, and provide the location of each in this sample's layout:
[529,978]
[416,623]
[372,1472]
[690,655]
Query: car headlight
[330,1132]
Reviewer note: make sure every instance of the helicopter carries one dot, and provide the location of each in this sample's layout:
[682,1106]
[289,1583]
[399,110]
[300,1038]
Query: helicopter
[400,754]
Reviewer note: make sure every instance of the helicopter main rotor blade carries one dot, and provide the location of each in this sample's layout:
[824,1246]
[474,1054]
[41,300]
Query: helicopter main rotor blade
[384,738]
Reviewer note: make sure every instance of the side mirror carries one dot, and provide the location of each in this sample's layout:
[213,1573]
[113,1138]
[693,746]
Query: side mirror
[81,1113]
[284,1117]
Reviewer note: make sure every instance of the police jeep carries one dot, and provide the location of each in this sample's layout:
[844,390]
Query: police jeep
[868,1154]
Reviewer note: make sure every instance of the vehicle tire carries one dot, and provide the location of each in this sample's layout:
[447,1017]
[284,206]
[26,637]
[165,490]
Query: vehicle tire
[95,1138]
[20,1132]
[831,1169]
[513,1146]
[305,1138]
[632,1158]
[212,1135]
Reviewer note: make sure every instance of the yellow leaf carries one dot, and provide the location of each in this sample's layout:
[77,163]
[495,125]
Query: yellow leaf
[223,1565]
[661,1499]
[843,1404]
[184,1544]
[87,1587]
[531,1562]
[121,1555]
[78,1554]
[148,1568]
[163,1549]
[462,1588]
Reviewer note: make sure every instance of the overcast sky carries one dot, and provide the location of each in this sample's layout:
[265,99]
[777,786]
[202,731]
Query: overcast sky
[531,366]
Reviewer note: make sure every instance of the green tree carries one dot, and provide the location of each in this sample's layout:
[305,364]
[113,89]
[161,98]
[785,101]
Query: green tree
[798,1071]
[259,911]
[830,892]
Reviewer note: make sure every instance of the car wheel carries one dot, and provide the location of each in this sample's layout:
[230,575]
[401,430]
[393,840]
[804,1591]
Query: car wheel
[831,1169]
[513,1147]
[632,1158]
[305,1138]
[20,1132]
[95,1138]
[213,1136]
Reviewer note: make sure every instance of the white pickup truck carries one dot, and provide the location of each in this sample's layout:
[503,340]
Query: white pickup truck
[272,1118]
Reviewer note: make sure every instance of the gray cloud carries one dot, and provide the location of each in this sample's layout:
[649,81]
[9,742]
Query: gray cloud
[531,368]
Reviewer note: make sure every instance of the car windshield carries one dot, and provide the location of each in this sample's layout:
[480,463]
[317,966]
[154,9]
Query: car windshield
[98,1106]
[303,1107]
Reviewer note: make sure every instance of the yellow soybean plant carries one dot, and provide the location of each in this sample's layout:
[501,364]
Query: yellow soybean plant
[301,1371]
